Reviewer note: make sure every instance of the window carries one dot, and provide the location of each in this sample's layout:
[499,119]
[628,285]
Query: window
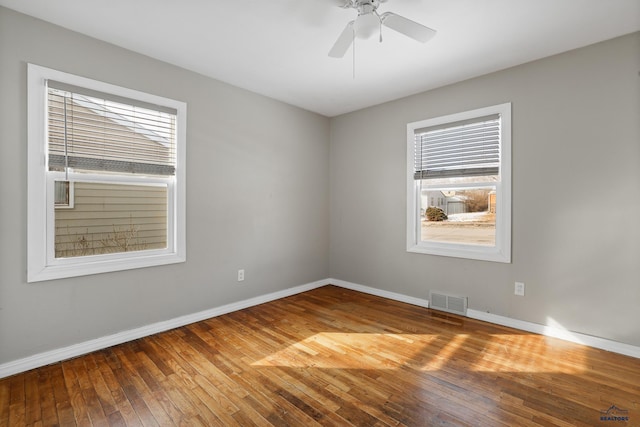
[106,169]
[462,162]
[63,193]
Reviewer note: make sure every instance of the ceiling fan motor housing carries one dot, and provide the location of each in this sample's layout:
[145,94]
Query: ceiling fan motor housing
[366,6]
[368,21]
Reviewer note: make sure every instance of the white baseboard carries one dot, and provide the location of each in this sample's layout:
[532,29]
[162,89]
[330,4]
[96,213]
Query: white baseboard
[549,331]
[57,355]
[555,332]
[380,293]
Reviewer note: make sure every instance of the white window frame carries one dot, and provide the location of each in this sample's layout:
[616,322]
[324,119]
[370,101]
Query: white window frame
[41,262]
[501,252]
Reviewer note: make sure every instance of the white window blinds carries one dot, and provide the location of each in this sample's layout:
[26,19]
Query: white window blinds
[94,131]
[468,148]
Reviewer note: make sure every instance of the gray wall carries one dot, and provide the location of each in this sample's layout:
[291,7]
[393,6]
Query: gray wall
[576,194]
[576,176]
[257,198]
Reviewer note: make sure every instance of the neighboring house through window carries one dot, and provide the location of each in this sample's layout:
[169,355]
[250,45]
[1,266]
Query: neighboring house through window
[459,185]
[63,194]
[106,177]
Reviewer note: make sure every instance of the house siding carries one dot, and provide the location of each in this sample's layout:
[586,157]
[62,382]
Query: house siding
[108,218]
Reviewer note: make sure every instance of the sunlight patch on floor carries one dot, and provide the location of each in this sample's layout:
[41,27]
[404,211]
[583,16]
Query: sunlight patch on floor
[504,354]
[444,355]
[336,350]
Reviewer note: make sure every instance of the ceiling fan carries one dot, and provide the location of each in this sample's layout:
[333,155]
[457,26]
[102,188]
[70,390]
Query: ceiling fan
[369,21]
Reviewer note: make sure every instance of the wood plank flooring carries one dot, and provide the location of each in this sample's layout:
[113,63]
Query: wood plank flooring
[331,357]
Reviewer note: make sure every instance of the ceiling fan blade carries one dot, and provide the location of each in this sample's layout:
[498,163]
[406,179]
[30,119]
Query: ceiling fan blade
[407,27]
[343,43]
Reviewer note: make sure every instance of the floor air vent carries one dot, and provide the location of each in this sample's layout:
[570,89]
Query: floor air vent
[448,303]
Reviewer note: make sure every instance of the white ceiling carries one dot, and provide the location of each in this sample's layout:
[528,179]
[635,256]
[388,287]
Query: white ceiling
[278,48]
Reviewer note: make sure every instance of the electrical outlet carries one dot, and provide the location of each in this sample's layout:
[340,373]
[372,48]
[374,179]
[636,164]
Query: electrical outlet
[519,289]
[240,275]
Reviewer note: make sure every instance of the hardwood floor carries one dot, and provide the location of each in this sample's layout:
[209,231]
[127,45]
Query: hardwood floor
[331,357]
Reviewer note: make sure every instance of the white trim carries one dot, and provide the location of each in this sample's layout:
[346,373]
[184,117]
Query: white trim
[554,332]
[57,355]
[549,331]
[501,251]
[380,293]
[60,354]
[41,262]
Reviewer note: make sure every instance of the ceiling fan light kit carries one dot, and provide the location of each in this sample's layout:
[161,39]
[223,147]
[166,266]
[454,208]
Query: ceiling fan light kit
[369,22]
[366,25]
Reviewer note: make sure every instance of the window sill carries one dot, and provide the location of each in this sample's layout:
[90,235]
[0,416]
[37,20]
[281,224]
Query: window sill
[481,253]
[67,268]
